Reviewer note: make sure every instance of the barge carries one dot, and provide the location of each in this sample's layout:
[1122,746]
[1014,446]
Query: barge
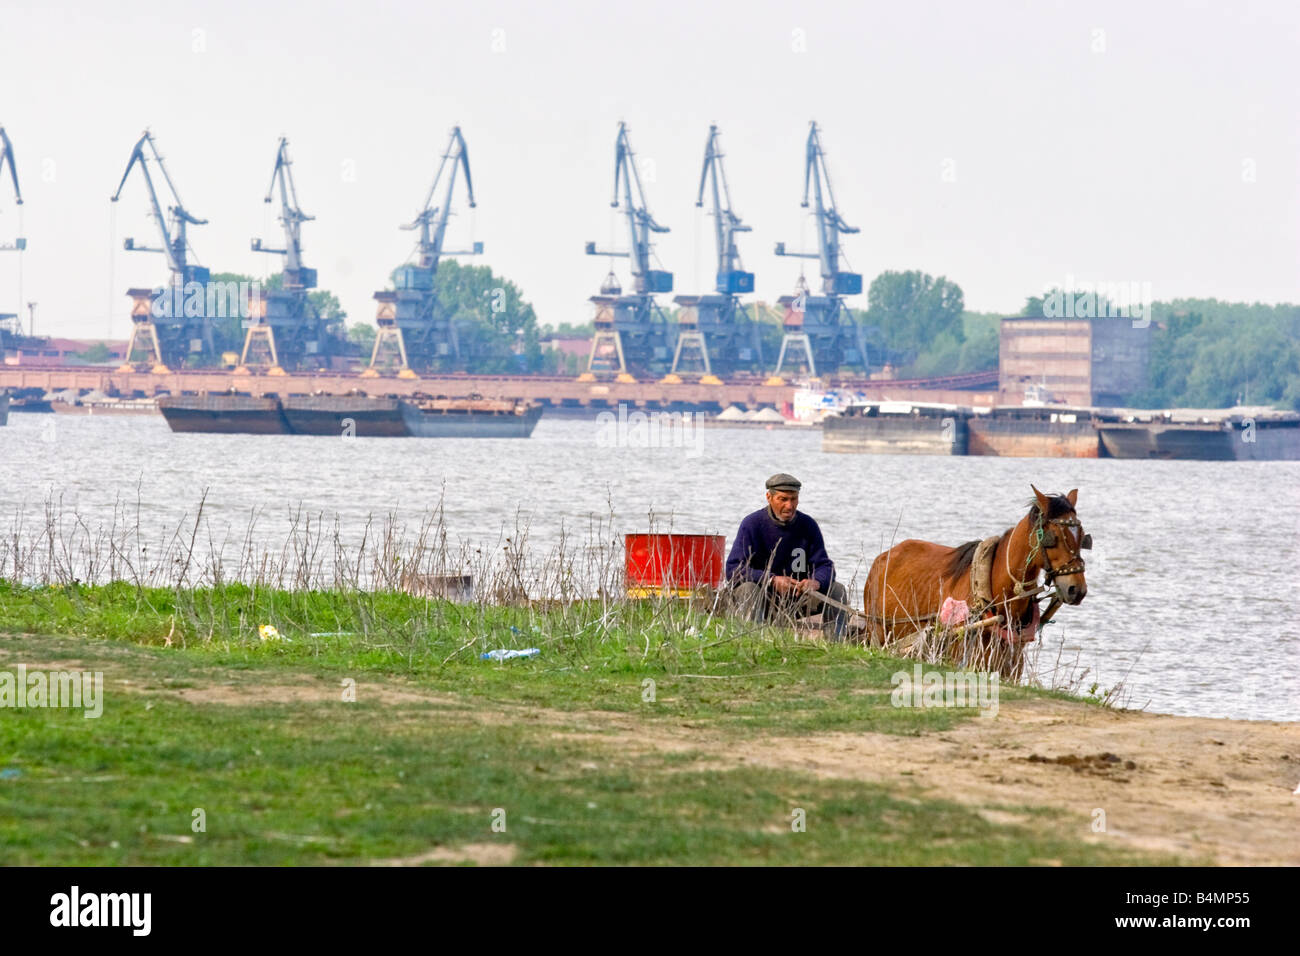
[470,418]
[350,415]
[358,415]
[1029,431]
[1062,431]
[224,414]
[897,428]
[1206,435]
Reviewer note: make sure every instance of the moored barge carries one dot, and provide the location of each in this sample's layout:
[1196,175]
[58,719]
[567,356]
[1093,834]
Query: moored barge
[350,416]
[1033,431]
[224,414]
[358,415]
[897,428]
[470,418]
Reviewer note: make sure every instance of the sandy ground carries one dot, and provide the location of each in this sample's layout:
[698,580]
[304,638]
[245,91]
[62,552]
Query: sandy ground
[1204,790]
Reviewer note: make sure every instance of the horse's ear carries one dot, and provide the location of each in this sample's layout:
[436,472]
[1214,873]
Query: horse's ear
[1073,496]
[1043,504]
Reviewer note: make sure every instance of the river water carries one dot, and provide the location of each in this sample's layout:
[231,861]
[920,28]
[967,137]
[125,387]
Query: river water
[1192,583]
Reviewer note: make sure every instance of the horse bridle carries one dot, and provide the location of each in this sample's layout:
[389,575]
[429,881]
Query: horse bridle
[1046,538]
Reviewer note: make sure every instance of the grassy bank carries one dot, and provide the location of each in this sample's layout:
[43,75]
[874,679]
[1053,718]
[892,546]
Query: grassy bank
[601,749]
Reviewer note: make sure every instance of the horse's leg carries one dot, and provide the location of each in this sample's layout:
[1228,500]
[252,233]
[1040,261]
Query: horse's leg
[873,605]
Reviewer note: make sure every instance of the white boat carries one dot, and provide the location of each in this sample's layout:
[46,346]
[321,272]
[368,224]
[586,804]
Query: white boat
[811,403]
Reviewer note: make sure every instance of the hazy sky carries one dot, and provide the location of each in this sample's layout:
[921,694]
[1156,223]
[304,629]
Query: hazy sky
[1003,145]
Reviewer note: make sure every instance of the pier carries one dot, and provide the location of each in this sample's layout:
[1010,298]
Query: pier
[556,392]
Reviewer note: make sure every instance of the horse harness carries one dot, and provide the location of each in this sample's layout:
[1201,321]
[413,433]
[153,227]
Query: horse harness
[981,569]
[1044,537]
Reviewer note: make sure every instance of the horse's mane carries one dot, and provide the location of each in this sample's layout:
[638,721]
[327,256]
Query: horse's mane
[1057,506]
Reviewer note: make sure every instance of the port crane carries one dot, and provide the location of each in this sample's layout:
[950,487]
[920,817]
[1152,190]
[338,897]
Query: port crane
[820,325]
[168,310]
[631,330]
[709,333]
[411,325]
[284,326]
[19,243]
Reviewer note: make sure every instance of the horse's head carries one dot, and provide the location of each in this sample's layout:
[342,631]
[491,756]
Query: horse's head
[1059,538]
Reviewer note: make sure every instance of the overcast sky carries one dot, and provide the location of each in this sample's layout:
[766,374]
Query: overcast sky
[1004,145]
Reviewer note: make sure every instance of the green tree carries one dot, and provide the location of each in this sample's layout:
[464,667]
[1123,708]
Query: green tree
[1206,354]
[981,332]
[97,354]
[570,330]
[228,330]
[916,313]
[362,335]
[496,328]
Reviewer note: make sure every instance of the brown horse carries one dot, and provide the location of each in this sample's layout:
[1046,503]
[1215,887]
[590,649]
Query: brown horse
[908,584]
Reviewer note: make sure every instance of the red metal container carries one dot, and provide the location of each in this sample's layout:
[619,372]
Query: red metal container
[678,564]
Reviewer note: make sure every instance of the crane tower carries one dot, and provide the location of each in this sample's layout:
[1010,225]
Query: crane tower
[819,325]
[172,322]
[413,330]
[714,336]
[631,330]
[284,327]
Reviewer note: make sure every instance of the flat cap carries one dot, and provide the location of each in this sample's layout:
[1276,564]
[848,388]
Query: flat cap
[783,482]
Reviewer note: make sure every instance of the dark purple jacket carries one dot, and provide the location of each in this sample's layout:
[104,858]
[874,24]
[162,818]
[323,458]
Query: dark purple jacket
[795,550]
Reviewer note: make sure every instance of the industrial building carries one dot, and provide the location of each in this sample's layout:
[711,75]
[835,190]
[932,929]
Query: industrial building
[1091,361]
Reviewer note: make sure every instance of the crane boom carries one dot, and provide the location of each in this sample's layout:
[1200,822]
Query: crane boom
[830,224]
[432,220]
[291,215]
[7,156]
[640,223]
[731,277]
[175,242]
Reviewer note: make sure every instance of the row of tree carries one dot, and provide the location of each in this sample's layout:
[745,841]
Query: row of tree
[1204,353]
[1211,354]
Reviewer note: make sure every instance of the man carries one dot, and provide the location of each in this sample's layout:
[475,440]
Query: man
[779,559]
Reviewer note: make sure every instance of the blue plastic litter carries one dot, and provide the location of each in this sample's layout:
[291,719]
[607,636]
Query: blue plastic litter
[501,654]
[10,773]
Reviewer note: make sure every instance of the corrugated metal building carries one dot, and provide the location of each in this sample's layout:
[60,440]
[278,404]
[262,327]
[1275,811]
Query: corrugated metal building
[1096,361]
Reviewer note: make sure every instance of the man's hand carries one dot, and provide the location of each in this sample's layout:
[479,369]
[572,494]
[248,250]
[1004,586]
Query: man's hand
[785,585]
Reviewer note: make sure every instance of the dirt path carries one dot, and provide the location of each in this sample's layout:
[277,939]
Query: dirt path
[1212,790]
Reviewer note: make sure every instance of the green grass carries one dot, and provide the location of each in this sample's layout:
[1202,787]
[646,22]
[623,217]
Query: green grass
[554,741]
